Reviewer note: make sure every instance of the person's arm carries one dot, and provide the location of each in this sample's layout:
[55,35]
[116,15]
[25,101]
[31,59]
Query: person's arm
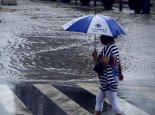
[120,71]
[95,55]
[103,59]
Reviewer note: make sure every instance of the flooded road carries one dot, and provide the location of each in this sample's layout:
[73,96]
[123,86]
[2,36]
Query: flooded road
[34,46]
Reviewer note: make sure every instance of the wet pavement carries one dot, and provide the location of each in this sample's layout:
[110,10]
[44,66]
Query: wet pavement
[34,50]
[57,98]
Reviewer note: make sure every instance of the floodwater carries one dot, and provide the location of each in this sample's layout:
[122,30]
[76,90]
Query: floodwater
[34,46]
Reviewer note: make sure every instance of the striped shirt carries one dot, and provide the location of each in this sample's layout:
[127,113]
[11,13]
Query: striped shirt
[109,76]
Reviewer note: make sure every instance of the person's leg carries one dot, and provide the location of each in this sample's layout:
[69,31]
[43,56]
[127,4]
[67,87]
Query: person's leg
[99,102]
[112,97]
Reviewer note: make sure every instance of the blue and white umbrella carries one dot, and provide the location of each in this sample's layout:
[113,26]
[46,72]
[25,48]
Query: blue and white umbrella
[94,24]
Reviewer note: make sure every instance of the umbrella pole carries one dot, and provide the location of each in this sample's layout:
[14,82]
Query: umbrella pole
[95,42]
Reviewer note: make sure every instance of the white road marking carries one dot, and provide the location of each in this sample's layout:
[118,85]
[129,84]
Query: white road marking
[11,102]
[68,105]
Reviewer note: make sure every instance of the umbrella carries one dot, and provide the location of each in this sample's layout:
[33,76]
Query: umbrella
[95,24]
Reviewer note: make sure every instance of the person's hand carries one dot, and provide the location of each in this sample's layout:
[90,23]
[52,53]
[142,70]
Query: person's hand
[120,77]
[94,53]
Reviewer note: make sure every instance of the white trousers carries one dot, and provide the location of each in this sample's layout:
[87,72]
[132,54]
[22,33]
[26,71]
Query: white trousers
[112,97]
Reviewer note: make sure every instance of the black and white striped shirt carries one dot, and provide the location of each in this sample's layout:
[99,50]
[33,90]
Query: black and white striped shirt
[109,78]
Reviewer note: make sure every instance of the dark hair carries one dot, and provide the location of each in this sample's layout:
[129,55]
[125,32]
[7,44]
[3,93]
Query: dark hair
[106,39]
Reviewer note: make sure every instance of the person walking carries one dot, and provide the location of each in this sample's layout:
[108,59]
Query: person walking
[110,75]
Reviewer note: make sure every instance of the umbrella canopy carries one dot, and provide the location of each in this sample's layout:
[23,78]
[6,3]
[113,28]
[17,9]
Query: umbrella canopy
[94,24]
